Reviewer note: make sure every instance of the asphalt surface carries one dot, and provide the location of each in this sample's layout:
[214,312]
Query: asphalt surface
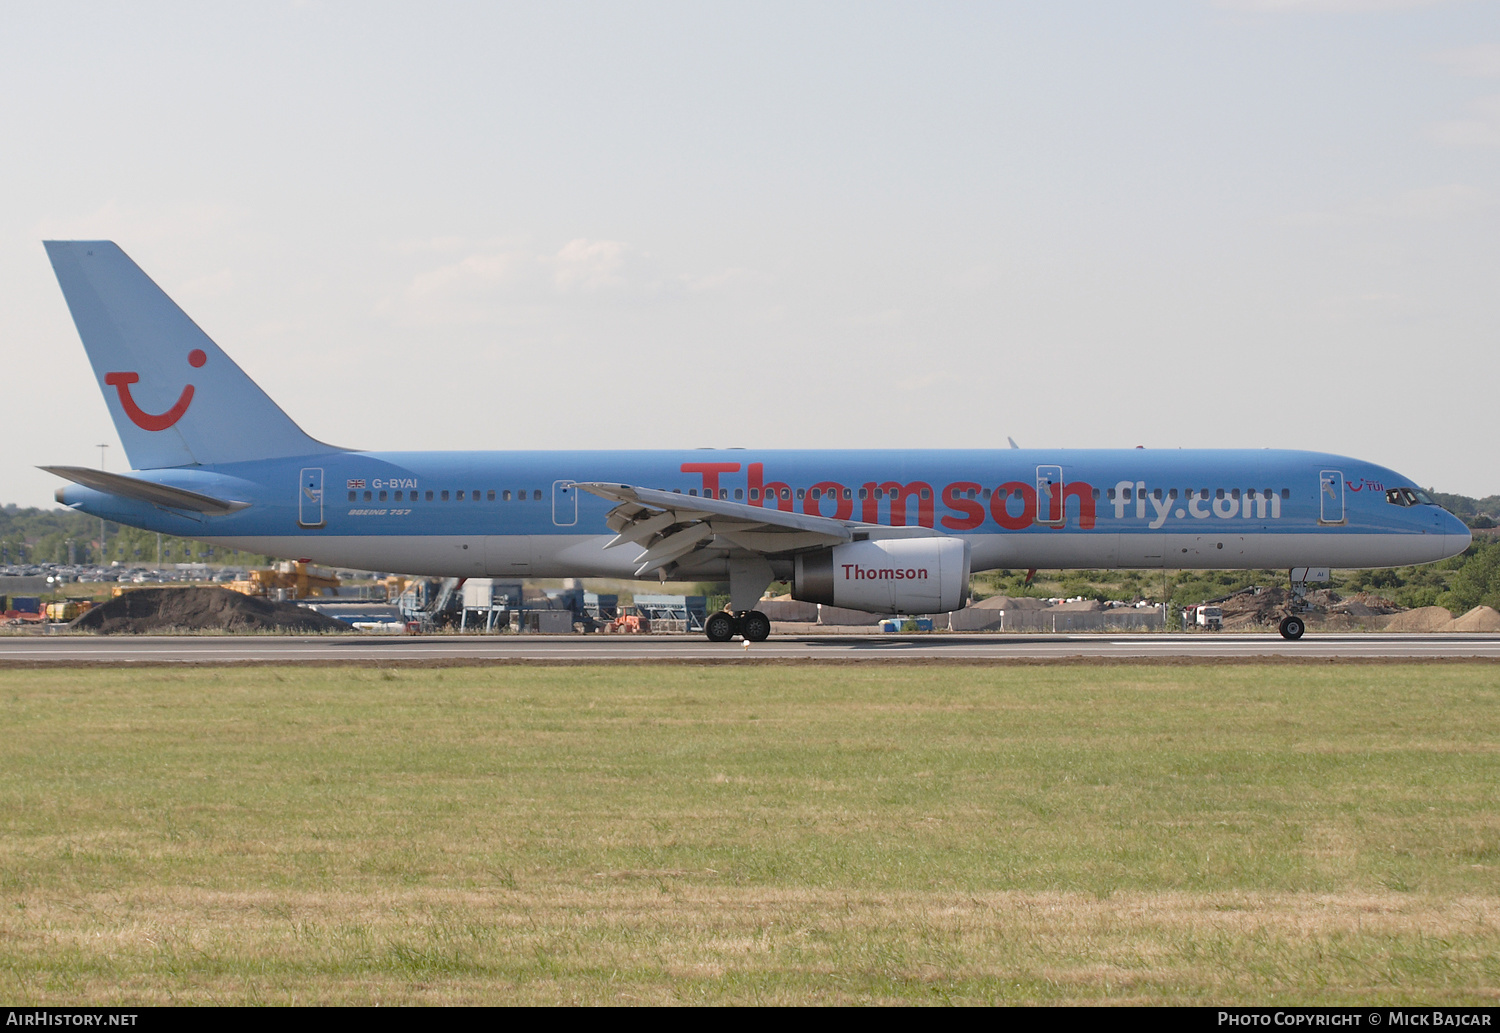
[77,650]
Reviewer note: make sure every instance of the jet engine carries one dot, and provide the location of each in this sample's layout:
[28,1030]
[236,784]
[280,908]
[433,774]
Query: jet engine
[888,575]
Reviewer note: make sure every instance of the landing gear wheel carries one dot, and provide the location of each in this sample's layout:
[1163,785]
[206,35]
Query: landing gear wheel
[1292,628]
[755,626]
[720,627]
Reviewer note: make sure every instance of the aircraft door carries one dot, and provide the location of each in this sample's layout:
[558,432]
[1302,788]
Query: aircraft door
[1049,500]
[310,498]
[1331,497]
[564,503]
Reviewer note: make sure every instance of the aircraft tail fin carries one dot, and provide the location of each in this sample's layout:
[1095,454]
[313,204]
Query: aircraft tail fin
[175,397]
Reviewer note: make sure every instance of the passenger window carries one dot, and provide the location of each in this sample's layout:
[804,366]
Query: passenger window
[536,496]
[1234,494]
[848,493]
[445,494]
[863,493]
[490,495]
[475,495]
[398,496]
[429,496]
[1156,494]
[754,494]
[353,495]
[382,496]
[460,496]
[799,493]
[367,496]
[739,493]
[786,493]
[927,493]
[1286,493]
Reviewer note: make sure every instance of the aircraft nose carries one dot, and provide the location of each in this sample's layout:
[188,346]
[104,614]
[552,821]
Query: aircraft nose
[1456,536]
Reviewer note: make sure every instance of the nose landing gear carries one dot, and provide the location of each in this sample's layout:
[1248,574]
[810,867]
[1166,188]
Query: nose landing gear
[1293,627]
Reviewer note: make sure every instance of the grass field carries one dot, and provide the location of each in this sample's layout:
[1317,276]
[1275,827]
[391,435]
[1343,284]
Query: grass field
[1189,834]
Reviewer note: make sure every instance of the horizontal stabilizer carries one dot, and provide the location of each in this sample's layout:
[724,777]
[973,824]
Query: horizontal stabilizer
[147,491]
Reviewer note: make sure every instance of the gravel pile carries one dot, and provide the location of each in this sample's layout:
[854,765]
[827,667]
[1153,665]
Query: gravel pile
[158,610]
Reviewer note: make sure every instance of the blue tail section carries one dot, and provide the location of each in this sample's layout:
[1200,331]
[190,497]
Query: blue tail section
[176,398]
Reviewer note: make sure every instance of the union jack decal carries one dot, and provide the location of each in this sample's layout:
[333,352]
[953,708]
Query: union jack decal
[356,483]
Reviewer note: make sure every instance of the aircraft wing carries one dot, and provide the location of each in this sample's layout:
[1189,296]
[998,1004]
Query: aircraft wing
[669,526]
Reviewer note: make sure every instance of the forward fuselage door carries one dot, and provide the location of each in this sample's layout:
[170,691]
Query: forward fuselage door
[564,503]
[1049,500]
[310,498]
[1331,497]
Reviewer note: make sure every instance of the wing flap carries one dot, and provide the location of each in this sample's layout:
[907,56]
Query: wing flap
[668,526]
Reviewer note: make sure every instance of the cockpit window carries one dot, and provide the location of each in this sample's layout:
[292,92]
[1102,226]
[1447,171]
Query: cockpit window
[1408,497]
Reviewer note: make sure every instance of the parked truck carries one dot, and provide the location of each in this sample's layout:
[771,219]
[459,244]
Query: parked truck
[1208,618]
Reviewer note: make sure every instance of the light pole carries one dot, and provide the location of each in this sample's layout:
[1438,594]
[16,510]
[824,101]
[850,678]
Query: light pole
[103,551]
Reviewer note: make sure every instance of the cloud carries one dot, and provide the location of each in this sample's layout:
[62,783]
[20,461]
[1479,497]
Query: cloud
[590,266]
[1481,61]
[1323,6]
[1480,129]
[1426,204]
[126,225]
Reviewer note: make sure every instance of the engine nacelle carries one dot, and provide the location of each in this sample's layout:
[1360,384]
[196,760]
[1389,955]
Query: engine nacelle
[888,575]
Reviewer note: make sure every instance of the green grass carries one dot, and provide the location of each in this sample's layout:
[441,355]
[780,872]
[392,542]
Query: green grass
[1194,834]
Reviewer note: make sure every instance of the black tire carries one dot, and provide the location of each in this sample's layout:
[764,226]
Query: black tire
[720,627]
[755,626]
[1292,628]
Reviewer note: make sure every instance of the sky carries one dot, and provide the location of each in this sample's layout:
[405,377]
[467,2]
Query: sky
[1246,224]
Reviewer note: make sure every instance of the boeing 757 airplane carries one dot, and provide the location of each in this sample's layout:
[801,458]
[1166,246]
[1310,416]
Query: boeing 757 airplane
[215,459]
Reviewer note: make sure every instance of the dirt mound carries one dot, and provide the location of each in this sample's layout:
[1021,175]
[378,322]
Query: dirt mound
[1481,618]
[148,610]
[1249,609]
[1426,618]
[1365,605]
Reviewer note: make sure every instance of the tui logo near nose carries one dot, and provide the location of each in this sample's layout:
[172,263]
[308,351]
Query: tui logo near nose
[154,421]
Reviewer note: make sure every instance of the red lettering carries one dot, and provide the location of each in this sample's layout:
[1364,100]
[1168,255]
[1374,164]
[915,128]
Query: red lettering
[1084,493]
[710,472]
[901,493]
[972,509]
[780,491]
[1000,505]
[843,509]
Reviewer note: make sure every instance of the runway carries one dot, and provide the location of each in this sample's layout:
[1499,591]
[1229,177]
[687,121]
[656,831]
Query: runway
[81,650]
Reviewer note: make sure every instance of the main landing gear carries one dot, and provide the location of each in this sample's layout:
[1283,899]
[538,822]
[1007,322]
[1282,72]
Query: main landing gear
[753,626]
[1292,627]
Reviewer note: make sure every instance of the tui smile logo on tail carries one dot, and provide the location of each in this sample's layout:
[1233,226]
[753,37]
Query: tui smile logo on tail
[154,421]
